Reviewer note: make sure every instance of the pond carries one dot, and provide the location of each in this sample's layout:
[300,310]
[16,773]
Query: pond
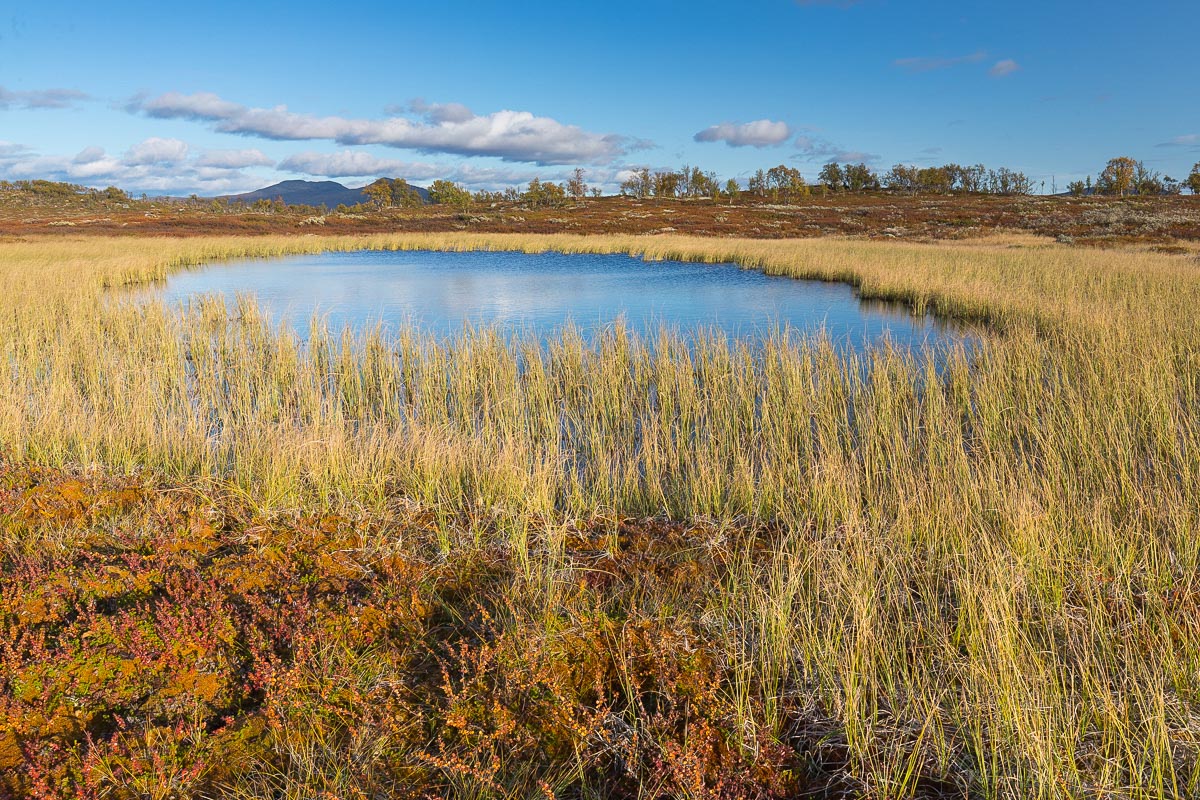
[441,292]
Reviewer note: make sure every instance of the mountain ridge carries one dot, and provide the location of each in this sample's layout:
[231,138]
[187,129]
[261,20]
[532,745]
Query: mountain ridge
[298,192]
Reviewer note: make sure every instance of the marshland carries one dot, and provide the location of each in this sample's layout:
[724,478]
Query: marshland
[241,559]
[539,294]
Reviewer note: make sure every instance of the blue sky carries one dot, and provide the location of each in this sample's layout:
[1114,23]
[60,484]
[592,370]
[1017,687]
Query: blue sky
[224,97]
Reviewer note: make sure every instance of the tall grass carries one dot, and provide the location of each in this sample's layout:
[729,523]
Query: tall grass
[986,568]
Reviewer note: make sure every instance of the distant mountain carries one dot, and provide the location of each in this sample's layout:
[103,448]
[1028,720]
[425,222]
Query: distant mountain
[311,193]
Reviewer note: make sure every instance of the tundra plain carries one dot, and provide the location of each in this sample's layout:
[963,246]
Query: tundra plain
[232,565]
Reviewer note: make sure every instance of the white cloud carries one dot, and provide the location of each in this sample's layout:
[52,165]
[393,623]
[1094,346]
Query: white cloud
[491,178]
[11,149]
[89,155]
[441,112]
[104,168]
[39,99]
[150,166]
[234,159]
[1003,68]
[356,164]
[928,64]
[157,151]
[446,128]
[201,105]
[759,133]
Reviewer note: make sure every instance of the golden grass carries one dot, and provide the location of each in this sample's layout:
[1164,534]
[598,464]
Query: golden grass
[987,568]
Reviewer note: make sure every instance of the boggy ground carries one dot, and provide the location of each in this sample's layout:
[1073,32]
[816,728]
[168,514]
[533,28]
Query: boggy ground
[1104,221]
[373,566]
[166,641]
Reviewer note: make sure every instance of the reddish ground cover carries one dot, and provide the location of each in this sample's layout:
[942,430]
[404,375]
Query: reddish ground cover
[158,641]
[1087,220]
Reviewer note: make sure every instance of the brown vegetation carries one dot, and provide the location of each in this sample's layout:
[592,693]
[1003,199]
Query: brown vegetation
[234,566]
[159,641]
[1164,220]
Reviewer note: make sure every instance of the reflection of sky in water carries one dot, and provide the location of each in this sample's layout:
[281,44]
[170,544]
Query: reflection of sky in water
[441,292]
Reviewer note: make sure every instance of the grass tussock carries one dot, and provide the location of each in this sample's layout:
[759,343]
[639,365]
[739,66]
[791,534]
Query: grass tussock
[409,565]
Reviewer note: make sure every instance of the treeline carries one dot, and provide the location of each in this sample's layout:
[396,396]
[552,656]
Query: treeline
[57,190]
[956,178]
[911,179]
[389,193]
[1126,176]
[1121,176]
[784,183]
[536,194]
[686,182]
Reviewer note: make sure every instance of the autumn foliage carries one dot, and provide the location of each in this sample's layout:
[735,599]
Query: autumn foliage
[160,641]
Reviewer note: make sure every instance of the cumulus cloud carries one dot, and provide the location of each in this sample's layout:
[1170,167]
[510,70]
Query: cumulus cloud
[89,155]
[1002,68]
[41,99]
[484,177]
[759,133]
[201,105]
[928,64]
[441,112]
[93,165]
[157,151]
[8,149]
[234,159]
[154,165]
[516,136]
[356,164]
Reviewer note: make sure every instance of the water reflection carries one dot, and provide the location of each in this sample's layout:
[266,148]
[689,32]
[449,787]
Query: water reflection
[440,293]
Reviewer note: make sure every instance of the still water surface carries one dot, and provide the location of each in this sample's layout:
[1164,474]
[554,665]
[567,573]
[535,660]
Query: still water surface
[538,294]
